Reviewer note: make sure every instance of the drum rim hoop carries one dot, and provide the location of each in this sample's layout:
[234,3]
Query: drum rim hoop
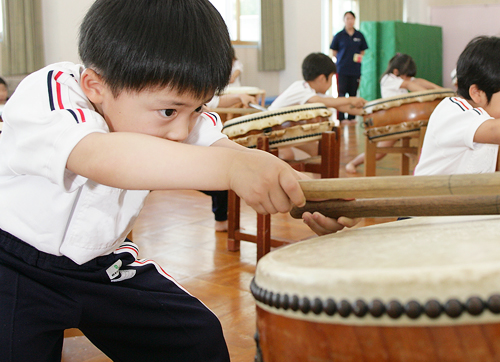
[453,308]
[376,102]
[256,118]
[276,142]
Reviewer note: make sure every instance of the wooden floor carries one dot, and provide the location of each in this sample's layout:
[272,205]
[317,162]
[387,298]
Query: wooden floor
[175,228]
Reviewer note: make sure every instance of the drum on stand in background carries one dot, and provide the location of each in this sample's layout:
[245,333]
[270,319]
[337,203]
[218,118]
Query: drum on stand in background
[402,113]
[288,126]
[424,289]
[399,117]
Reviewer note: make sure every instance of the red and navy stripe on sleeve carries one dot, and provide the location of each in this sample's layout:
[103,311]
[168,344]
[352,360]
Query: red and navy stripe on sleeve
[464,106]
[56,99]
[213,116]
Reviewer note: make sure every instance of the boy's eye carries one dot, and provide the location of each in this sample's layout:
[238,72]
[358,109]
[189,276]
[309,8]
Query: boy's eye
[200,109]
[168,112]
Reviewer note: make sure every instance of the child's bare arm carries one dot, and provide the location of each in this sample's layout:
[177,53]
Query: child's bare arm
[351,110]
[228,100]
[488,132]
[353,102]
[137,161]
[418,84]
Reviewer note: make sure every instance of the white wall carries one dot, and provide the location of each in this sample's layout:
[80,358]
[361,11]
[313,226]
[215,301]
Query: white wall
[461,20]
[460,24]
[61,20]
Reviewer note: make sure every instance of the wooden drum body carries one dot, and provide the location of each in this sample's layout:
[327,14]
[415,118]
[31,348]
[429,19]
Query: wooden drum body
[424,289]
[402,113]
[288,126]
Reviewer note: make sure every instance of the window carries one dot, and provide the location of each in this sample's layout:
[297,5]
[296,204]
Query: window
[242,18]
[333,20]
[1,20]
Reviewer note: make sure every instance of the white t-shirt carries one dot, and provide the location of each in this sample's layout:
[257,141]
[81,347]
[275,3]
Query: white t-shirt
[448,145]
[390,85]
[297,93]
[42,202]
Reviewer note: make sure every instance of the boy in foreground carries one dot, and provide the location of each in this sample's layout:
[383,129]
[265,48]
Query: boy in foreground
[463,133]
[81,148]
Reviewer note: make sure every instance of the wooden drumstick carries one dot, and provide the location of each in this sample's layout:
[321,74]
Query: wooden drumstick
[410,206]
[401,186]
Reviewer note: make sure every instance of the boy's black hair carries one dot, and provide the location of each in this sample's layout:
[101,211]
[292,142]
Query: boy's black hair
[316,64]
[2,81]
[479,64]
[139,44]
[349,12]
[403,63]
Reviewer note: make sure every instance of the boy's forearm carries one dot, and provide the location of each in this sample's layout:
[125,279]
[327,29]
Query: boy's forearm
[330,101]
[418,84]
[136,161]
[350,110]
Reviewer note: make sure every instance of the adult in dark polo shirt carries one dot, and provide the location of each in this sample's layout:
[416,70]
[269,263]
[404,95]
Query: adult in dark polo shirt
[348,46]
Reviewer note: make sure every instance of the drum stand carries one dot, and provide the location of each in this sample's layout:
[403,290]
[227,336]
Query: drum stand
[371,150]
[327,164]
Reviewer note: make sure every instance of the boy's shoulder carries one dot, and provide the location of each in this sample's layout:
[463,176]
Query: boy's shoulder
[52,74]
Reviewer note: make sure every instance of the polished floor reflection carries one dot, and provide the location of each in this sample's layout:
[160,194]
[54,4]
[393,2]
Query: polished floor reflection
[176,229]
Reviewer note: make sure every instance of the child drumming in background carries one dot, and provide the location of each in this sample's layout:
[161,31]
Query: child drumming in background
[4,91]
[78,163]
[399,78]
[463,133]
[219,197]
[318,70]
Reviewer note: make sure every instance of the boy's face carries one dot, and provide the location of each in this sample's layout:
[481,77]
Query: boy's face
[493,108]
[3,93]
[159,112]
[326,83]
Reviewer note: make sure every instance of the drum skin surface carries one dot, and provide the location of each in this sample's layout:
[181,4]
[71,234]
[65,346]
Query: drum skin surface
[424,289]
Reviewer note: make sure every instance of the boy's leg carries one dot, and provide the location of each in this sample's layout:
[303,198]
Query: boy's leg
[352,90]
[138,314]
[219,208]
[33,317]
[342,84]
[151,318]
[219,204]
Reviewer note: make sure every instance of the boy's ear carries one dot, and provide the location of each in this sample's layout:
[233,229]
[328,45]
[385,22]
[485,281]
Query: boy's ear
[93,86]
[478,96]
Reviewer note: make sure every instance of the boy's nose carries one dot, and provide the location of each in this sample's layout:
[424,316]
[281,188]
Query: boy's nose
[178,133]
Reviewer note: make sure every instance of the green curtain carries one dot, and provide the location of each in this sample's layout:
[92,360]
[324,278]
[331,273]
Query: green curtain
[272,38]
[22,46]
[380,10]
[424,43]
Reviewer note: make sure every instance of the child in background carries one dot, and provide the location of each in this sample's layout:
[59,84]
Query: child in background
[318,70]
[4,91]
[463,133]
[219,197]
[398,79]
[237,69]
[78,163]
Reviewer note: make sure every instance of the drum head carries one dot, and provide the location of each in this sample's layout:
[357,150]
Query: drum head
[451,264]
